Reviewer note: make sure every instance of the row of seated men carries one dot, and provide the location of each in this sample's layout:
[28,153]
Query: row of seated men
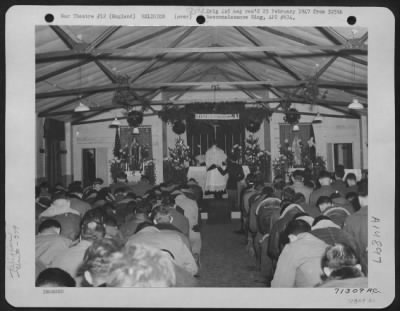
[289,227]
[165,218]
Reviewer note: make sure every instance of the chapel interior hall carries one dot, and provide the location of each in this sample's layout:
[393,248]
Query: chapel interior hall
[202,156]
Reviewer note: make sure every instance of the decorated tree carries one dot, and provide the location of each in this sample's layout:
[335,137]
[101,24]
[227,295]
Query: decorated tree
[254,157]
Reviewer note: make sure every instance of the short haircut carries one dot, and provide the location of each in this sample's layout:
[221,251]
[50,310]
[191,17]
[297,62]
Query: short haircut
[96,259]
[288,194]
[338,256]
[54,277]
[75,187]
[319,218]
[268,191]
[335,195]
[323,199]
[298,175]
[352,197]
[162,210]
[299,198]
[98,181]
[119,190]
[141,266]
[49,223]
[339,171]
[297,226]
[92,225]
[351,176]
[110,221]
[324,174]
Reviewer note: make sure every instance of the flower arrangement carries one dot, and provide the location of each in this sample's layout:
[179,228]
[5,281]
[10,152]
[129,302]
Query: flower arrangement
[116,167]
[254,157]
[177,163]
[286,160]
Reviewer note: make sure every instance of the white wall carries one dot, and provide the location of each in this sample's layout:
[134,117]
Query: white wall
[100,135]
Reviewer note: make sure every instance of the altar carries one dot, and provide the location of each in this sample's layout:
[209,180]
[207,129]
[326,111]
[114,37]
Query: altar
[199,174]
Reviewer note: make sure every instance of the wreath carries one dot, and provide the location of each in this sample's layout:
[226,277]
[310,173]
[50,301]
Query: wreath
[134,118]
[253,118]
[292,116]
[179,127]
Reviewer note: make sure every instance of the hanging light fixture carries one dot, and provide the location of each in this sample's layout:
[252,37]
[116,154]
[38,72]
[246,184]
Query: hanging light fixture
[317,119]
[115,123]
[296,128]
[355,105]
[81,107]
[135,131]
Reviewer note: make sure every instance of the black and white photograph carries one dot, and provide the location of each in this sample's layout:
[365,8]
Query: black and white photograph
[202,156]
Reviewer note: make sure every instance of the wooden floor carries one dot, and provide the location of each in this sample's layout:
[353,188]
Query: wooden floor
[224,260]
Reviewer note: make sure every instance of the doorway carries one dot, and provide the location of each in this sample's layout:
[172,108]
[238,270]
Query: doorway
[343,155]
[88,166]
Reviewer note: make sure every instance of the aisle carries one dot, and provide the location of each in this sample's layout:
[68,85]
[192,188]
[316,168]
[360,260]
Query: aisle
[224,260]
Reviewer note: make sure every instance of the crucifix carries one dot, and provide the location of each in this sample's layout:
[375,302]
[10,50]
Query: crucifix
[215,125]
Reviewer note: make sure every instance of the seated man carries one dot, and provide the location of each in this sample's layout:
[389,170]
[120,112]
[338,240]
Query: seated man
[68,218]
[299,264]
[298,185]
[162,219]
[337,214]
[338,184]
[191,212]
[169,240]
[75,195]
[49,243]
[140,216]
[92,229]
[326,230]
[326,188]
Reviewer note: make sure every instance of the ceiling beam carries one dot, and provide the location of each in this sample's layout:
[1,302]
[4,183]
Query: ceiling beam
[146,86]
[86,61]
[251,73]
[286,67]
[69,42]
[67,112]
[63,104]
[102,37]
[174,78]
[332,35]
[306,42]
[158,57]
[81,91]
[137,53]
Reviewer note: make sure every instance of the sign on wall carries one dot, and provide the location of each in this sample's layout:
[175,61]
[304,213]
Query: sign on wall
[216,116]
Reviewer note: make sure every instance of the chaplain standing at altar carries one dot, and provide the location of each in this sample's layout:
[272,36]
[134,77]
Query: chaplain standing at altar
[215,181]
